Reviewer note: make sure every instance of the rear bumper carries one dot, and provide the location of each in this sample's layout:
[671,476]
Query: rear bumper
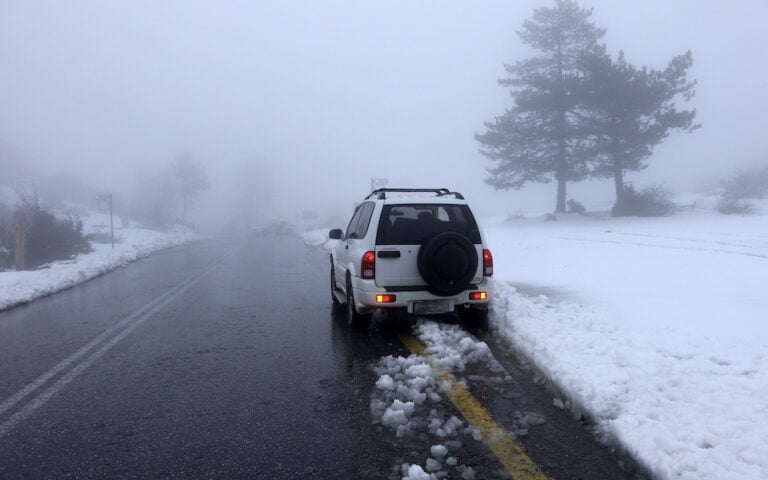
[366,292]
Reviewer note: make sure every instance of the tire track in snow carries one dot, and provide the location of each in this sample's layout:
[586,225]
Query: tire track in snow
[665,247]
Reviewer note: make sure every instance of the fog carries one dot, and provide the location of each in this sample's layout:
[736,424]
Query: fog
[316,98]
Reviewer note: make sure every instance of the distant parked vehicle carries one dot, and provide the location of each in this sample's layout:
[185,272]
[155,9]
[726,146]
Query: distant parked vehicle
[278,227]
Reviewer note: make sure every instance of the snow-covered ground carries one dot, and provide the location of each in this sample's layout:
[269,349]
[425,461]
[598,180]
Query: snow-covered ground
[653,327]
[131,244]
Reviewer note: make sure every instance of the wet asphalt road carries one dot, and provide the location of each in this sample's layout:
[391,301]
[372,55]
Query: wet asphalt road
[245,373]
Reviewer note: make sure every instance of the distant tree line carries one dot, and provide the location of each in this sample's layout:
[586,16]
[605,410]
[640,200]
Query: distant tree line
[580,113]
[737,191]
[166,197]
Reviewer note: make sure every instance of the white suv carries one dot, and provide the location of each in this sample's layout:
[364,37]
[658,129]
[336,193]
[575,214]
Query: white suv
[417,250]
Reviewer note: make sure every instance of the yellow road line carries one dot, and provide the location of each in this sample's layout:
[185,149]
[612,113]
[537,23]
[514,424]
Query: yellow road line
[510,453]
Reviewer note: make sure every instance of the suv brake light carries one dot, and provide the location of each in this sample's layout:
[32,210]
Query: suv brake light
[487,263]
[368,266]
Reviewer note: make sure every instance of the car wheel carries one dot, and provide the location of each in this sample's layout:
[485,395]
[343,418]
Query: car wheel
[333,287]
[355,319]
[447,262]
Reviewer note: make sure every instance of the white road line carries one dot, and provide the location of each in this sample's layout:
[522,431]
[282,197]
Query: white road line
[127,325]
[42,379]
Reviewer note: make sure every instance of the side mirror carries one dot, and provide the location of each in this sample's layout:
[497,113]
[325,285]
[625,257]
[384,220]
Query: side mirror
[335,234]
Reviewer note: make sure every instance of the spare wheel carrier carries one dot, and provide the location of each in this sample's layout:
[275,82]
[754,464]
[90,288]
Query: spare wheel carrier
[447,262]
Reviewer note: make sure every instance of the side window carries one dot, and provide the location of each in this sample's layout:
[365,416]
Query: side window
[352,227]
[365,220]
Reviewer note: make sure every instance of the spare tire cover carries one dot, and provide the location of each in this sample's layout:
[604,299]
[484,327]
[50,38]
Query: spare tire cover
[447,262]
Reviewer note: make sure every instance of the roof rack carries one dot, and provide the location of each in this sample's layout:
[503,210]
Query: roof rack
[381,193]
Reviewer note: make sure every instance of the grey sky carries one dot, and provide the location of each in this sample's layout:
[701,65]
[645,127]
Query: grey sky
[330,94]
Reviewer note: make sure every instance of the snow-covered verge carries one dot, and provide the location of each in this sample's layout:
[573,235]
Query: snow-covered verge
[318,238]
[654,327]
[131,244]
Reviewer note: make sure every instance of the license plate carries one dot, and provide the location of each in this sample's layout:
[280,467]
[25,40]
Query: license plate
[430,307]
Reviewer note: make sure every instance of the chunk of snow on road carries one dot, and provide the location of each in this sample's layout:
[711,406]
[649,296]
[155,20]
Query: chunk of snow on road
[415,472]
[468,473]
[450,348]
[397,414]
[385,382]
[407,395]
[433,465]
[438,451]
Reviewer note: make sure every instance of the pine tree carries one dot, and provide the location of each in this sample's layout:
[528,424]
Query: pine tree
[191,178]
[627,111]
[539,139]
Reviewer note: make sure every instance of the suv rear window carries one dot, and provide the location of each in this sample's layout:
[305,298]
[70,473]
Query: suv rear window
[412,224]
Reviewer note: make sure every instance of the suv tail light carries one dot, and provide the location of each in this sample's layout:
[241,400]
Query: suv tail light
[487,263]
[368,266]
[386,298]
[478,295]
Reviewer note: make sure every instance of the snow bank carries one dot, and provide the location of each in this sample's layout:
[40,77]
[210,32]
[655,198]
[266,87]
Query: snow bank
[318,238]
[655,327]
[135,243]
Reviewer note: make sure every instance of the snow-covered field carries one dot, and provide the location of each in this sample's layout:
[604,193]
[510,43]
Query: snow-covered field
[131,244]
[653,327]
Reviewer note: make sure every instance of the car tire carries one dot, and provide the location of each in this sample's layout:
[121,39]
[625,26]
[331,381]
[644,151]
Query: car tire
[333,287]
[355,319]
[448,263]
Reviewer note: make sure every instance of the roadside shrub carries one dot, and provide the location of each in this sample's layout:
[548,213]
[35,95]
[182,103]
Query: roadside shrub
[102,237]
[515,217]
[653,201]
[50,238]
[574,206]
[748,183]
[730,206]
